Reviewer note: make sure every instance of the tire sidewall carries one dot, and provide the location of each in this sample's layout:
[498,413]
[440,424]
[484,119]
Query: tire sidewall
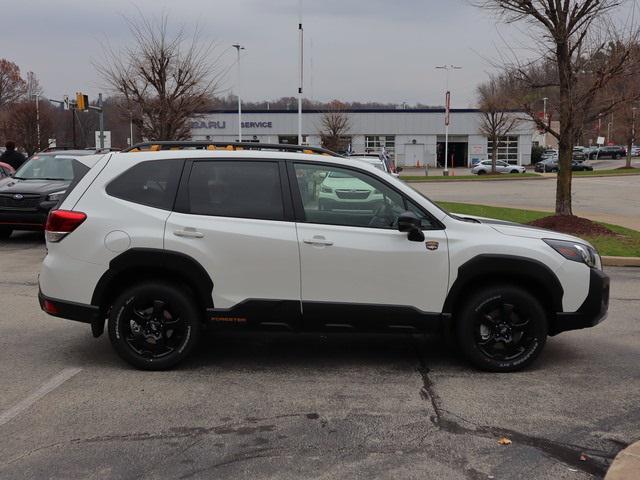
[513,295]
[179,299]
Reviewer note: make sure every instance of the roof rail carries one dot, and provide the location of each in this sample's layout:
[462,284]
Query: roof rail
[199,145]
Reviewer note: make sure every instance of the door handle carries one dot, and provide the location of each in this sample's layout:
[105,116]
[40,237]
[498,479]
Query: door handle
[317,240]
[188,232]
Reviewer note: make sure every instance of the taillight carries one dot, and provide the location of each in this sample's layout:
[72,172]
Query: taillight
[61,223]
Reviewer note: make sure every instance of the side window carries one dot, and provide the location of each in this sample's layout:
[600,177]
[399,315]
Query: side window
[241,189]
[153,183]
[337,196]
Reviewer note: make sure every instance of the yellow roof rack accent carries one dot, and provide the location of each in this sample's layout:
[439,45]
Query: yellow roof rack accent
[306,150]
[230,147]
[211,147]
[155,148]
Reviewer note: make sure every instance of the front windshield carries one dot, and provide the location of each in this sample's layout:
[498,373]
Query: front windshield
[46,167]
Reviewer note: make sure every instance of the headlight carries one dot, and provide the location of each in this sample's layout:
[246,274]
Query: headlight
[577,252]
[326,190]
[54,197]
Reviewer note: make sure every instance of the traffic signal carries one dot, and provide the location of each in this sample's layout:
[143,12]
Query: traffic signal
[82,101]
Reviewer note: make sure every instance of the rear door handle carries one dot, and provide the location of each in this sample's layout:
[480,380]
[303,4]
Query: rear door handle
[188,232]
[317,240]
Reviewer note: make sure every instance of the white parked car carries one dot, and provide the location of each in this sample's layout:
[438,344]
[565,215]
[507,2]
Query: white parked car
[501,167]
[158,244]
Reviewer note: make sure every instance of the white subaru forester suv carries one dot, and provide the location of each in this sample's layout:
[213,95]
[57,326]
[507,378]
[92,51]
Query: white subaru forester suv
[165,239]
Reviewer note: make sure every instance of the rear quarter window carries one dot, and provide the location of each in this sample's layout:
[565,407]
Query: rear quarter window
[153,183]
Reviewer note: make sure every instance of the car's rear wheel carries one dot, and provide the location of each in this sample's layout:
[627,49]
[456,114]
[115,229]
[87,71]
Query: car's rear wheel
[617,156]
[501,328]
[5,232]
[154,325]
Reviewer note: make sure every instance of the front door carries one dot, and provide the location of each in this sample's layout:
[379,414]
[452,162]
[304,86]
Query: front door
[233,220]
[357,270]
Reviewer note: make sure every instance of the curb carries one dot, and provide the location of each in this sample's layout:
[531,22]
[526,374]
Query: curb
[626,465]
[621,261]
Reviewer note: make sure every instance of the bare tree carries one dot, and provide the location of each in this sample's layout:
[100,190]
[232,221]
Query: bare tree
[164,79]
[335,125]
[580,55]
[12,85]
[21,125]
[496,120]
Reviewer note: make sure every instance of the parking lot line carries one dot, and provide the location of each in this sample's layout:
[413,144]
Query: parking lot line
[48,386]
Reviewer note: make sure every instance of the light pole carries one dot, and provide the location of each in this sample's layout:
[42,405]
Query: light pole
[37,97]
[544,119]
[239,47]
[301,68]
[447,68]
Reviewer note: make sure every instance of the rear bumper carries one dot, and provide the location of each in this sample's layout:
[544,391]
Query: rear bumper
[592,311]
[69,310]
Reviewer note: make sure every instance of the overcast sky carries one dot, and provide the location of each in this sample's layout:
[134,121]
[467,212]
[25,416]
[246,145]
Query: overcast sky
[379,50]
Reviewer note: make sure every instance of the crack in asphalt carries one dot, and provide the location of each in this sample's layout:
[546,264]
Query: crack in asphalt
[21,284]
[567,453]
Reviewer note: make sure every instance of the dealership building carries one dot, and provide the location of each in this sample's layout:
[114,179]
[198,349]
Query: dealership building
[415,137]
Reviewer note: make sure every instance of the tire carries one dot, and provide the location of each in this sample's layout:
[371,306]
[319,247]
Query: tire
[515,171]
[481,172]
[617,156]
[501,328]
[148,343]
[5,233]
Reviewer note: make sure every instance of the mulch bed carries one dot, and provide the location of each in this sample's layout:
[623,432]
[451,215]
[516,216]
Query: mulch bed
[626,168]
[573,225]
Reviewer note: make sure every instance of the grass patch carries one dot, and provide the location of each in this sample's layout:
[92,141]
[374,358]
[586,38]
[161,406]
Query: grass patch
[626,244]
[485,178]
[609,172]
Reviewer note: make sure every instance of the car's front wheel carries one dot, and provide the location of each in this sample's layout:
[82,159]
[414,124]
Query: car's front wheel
[154,325]
[501,328]
[481,172]
[5,232]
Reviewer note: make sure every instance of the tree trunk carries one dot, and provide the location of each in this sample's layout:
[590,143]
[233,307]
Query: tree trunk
[494,154]
[566,137]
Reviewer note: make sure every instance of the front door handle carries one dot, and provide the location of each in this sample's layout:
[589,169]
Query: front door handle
[317,240]
[188,232]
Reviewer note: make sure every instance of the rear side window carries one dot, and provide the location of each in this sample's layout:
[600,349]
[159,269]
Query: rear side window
[241,189]
[153,183]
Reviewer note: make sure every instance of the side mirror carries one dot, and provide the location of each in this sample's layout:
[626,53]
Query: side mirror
[410,223]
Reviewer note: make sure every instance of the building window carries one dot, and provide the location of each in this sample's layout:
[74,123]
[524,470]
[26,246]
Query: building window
[507,149]
[374,143]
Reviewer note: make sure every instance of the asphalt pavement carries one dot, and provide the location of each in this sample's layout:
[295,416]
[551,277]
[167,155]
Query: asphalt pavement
[291,406]
[607,199]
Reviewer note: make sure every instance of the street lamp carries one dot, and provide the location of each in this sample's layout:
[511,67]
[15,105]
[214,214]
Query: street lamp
[37,98]
[447,68]
[239,47]
[301,67]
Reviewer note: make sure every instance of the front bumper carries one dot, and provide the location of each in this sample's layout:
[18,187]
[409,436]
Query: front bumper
[592,311]
[22,220]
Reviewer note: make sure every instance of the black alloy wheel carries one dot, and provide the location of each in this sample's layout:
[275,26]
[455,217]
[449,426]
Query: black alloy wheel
[502,328]
[154,326]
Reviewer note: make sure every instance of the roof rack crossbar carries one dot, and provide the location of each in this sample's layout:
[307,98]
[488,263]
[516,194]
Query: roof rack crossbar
[206,145]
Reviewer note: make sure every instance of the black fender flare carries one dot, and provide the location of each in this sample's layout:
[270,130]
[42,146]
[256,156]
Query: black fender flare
[496,267]
[145,261]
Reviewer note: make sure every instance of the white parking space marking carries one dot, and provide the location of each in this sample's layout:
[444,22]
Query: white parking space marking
[45,388]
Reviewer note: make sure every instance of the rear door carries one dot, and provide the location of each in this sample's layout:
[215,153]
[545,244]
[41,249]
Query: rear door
[235,218]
